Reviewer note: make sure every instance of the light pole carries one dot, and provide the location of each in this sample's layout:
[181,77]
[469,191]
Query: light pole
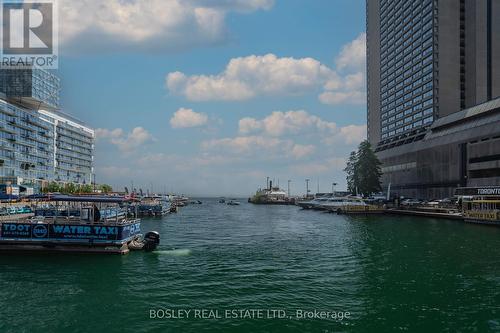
[307,187]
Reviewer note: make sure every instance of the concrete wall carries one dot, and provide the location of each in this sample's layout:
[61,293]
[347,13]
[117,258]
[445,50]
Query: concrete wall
[495,48]
[461,154]
[448,57]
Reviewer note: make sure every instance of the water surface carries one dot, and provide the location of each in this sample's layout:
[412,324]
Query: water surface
[390,273]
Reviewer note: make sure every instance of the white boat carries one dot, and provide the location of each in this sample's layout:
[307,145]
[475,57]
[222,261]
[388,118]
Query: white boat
[312,204]
[338,204]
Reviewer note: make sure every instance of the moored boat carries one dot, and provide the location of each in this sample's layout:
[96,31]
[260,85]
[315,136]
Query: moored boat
[480,204]
[312,204]
[91,225]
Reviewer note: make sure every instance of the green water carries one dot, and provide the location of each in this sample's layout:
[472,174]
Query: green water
[390,273]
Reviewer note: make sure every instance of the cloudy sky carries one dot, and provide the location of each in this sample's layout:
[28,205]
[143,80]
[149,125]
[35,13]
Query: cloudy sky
[210,97]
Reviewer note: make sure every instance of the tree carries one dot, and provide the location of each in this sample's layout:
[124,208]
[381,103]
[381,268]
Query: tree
[350,171]
[105,188]
[86,189]
[363,170]
[52,187]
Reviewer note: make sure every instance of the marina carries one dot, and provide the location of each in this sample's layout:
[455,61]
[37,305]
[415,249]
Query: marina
[213,256]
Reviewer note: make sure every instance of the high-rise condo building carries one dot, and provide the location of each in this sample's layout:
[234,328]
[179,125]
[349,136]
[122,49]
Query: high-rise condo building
[39,143]
[429,61]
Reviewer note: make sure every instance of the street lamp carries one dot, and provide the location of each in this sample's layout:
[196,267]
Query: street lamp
[307,187]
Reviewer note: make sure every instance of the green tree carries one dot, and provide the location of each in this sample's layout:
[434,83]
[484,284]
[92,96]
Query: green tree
[105,188]
[363,170]
[52,187]
[70,188]
[350,171]
[86,189]
[368,169]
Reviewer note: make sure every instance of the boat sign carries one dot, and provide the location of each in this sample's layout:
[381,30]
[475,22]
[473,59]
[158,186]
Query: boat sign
[27,231]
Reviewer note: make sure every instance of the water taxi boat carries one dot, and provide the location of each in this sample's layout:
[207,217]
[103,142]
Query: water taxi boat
[89,224]
[480,204]
[156,206]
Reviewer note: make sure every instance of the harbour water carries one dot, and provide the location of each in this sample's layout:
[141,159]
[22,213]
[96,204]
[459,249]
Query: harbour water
[390,273]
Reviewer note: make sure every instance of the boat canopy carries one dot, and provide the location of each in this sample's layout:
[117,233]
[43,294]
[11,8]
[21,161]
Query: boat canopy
[75,198]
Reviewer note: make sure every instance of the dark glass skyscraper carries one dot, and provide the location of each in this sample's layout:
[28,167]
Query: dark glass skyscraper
[428,59]
[434,93]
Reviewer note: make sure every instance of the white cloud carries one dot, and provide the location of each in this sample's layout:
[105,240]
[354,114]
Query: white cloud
[269,75]
[89,25]
[319,167]
[291,122]
[248,77]
[279,124]
[246,144]
[186,118]
[126,142]
[353,134]
[350,86]
[301,151]
[353,55]
[104,133]
[343,97]
[349,135]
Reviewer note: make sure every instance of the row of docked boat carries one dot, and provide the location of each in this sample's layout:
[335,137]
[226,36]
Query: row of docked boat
[340,205]
[157,205]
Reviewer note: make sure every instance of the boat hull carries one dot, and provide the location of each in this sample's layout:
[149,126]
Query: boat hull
[75,237]
[61,248]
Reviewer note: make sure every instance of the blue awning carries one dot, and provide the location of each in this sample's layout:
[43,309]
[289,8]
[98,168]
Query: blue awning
[77,198]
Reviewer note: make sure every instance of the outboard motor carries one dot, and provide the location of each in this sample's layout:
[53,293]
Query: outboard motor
[151,241]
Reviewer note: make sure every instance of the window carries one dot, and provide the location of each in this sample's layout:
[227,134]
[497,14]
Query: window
[427,60]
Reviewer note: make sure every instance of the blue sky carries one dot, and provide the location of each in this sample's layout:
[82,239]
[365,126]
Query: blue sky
[209,97]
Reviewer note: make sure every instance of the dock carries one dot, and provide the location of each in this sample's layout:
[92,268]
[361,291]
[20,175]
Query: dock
[430,214]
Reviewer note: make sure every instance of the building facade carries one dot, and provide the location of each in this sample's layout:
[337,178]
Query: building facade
[73,148]
[427,60]
[39,144]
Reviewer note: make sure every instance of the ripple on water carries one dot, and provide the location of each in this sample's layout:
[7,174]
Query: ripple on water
[414,274]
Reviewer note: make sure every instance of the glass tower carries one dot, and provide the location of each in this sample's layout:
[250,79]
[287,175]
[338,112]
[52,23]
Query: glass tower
[406,66]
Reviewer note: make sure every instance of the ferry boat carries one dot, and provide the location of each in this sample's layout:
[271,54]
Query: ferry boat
[480,204]
[271,196]
[90,224]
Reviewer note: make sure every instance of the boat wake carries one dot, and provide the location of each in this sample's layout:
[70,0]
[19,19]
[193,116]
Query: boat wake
[174,252]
